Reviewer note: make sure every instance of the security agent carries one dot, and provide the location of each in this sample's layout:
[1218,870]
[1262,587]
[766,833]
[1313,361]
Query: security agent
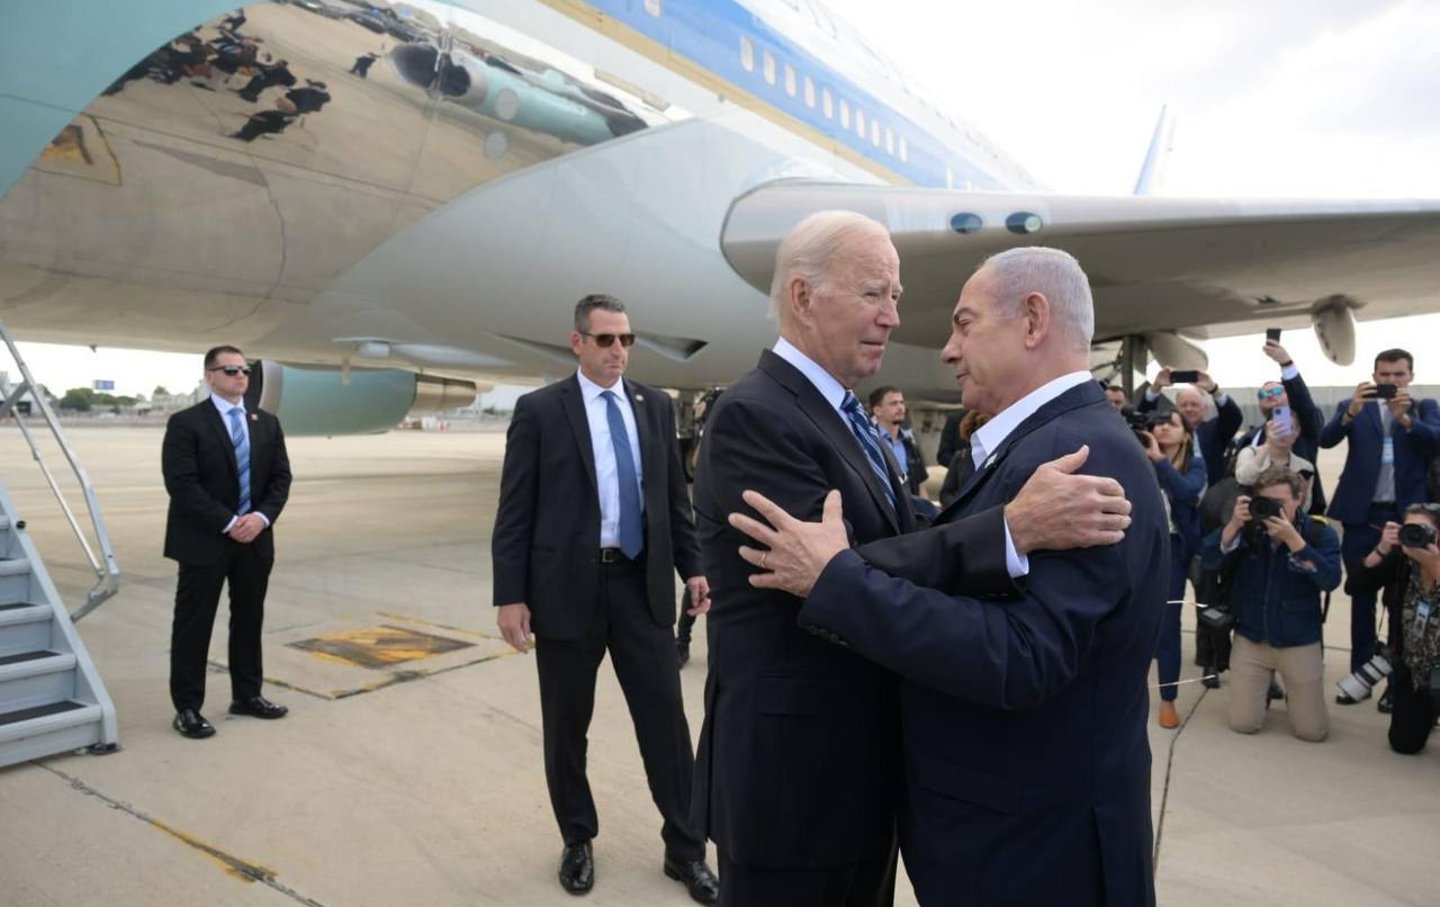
[1406,564]
[1277,560]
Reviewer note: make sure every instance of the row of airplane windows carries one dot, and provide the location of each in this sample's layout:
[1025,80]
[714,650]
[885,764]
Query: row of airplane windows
[770,69]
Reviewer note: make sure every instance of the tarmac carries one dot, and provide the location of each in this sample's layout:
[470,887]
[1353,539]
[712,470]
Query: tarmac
[420,781]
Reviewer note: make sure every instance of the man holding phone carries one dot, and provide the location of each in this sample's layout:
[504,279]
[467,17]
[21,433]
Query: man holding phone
[1288,400]
[1390,440]
[1212,434]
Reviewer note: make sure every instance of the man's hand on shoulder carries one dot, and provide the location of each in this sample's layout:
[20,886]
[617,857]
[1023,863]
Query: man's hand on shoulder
[798,551]
[514,623]
[1057,510]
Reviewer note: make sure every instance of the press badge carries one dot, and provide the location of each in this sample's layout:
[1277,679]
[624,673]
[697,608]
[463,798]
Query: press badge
[1387,453]
[1422,614]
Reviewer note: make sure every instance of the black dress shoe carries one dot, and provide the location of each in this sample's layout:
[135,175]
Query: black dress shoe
[258,707]
[192,724]
[1211,679]
[704,888]
[577,868]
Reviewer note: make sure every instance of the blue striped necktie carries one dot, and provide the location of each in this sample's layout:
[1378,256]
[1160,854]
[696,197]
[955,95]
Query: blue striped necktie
[632,533]
[242,456]
[864,432]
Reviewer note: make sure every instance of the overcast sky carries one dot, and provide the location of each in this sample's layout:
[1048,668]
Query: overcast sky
[1279,98]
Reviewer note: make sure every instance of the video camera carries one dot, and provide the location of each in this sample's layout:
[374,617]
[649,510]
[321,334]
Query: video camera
[1145,422]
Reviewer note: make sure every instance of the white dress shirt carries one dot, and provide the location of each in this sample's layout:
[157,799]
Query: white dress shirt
[607,478]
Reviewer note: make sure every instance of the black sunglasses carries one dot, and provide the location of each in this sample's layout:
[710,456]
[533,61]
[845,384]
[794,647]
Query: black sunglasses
[626,340]
[231,370]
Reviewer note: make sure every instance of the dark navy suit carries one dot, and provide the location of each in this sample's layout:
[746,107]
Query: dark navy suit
[1353,504]
[1027,764]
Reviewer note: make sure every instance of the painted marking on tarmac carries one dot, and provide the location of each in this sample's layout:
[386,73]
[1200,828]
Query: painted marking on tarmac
[378,647]
[234,866]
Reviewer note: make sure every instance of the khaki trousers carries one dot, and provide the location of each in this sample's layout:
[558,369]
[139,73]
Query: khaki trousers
[1302,672]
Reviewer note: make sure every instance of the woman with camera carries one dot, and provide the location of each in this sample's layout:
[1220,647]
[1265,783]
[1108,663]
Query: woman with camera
[1181,473]
[1406,564]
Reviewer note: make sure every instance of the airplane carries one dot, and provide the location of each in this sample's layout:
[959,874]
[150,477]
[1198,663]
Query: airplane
[437,213]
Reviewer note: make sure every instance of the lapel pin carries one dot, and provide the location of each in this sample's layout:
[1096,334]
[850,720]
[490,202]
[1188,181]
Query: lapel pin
[990,461]
[639,398]
[254,417]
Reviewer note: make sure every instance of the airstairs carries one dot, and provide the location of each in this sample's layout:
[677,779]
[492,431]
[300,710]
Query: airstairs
[51,696]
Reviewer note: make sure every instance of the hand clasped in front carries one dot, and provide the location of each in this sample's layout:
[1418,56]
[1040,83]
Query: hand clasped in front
[797,551]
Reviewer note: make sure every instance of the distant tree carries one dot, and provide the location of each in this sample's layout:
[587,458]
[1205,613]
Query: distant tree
[159,391]
[78,399]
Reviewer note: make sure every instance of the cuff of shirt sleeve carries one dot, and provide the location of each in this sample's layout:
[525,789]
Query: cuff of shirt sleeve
[1016,564]
[230,525]
[1234,543]
[263,517]
[1289,372]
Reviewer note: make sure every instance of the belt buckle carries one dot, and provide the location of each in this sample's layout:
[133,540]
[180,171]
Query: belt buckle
[609,555]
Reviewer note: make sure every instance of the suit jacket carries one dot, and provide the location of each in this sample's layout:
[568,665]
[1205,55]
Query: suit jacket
[797,762]
[197,459]
[1414,446]
[1026,758]
[546,545]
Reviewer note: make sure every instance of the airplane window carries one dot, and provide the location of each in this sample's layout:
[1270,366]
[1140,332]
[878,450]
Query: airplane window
[828,103]
[769,67]
[653,7]
[747,54]
[889,140]
[845,113]
[860,122]
[904,150]
[809,93]
[790,80]
[875,133]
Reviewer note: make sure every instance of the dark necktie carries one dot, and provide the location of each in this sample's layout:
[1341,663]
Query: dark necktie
[632,534]
[242,456]
[864,432]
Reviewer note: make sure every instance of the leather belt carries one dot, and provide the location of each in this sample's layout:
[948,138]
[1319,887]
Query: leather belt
[613,556]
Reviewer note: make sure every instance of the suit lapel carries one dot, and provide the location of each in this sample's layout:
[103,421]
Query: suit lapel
[832,426]
[573,402]
[1082,395]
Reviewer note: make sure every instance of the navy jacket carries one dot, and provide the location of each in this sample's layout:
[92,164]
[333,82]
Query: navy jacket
[1414,446]
[1027,764]
[1184,491]
[1274,596]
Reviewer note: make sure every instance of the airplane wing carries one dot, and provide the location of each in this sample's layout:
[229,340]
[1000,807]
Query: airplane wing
[1196,267]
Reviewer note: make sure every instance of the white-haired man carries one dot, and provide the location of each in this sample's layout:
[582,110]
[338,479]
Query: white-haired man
[798,762]
[1023,712]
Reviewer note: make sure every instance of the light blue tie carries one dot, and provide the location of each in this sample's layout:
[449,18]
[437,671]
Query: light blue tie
[632,533]
[864,432]
[242,456]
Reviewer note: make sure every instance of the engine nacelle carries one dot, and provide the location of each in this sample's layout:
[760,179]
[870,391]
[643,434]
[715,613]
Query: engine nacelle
[318,400]
[1334,321]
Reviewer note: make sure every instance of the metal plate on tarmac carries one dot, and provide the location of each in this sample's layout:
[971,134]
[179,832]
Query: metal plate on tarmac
[379,647]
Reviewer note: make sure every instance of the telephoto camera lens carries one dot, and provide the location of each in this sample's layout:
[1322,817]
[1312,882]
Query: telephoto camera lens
[1417,535]
[1357,686]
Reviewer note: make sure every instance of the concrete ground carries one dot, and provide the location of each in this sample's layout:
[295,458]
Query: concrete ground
[422,783]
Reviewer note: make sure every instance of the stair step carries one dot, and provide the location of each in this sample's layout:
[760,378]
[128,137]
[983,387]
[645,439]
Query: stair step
[32,664]
[39,711]
[23,613]
[20,657]
[62,726]
[14,566]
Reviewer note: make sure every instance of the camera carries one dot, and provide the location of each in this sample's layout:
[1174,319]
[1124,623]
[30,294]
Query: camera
[1417,535]
[1144,422]
[1385,391]
[1262,508]
[1215,617]
[1357,685]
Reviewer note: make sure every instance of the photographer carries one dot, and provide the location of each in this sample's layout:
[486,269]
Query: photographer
[1390,440]
[1277,561]
[1289,396]
[1406,564]
[1181,474]
[1213,434]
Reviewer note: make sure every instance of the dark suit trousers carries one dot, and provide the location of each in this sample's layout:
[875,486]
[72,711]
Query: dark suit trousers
[643,653]
[197,596]
[866,884]
[1359,540]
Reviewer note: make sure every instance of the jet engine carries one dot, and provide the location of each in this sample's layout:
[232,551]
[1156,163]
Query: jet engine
[1334,321]
[318,400]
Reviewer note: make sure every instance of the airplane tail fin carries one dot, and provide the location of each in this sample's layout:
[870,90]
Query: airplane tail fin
[1152,174]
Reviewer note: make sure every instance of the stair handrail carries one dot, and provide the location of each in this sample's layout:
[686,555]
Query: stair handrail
[105,566]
